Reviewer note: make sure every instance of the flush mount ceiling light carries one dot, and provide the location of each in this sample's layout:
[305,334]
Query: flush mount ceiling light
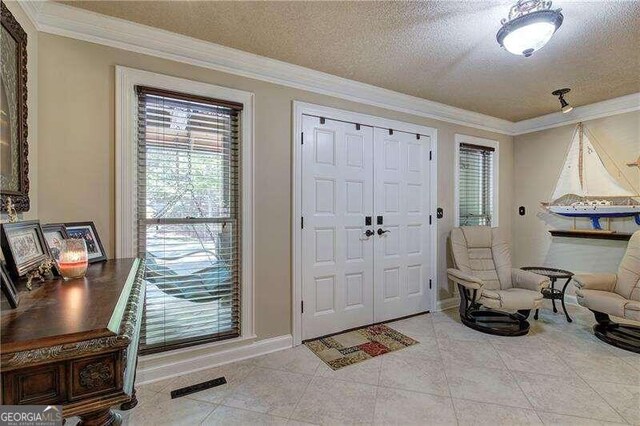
[564,104]
[530,25]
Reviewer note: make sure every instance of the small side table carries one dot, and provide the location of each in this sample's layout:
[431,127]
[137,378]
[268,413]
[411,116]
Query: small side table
[552,292]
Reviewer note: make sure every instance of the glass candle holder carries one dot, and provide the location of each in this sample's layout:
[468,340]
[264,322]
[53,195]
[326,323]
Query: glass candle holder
[73,258]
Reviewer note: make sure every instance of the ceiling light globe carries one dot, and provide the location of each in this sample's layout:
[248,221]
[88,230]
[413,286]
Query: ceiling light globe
[530,26]
[529,38]
[567,108]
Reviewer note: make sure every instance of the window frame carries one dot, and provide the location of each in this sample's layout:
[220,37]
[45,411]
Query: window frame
[126,173]
[489,143]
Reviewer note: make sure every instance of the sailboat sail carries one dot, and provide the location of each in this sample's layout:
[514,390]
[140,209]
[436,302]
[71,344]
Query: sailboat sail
[584,174]
[598,182]
[569,180]
[585,187]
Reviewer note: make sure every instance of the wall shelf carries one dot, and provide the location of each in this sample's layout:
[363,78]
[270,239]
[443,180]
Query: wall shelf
[594,235]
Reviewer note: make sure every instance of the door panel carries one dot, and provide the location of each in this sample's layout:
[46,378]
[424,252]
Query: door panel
[401,195]
[337,269]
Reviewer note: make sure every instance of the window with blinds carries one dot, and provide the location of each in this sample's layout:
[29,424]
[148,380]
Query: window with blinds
[188,218]
[475,185]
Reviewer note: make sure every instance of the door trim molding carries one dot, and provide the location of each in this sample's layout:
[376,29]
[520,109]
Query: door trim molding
[303,108]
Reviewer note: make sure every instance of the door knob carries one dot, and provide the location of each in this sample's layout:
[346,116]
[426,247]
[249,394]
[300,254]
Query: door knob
[369,232]
[382,231]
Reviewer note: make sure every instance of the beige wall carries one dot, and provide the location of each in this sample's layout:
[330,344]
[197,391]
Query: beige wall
[76,170]
[538,158]
[32,104]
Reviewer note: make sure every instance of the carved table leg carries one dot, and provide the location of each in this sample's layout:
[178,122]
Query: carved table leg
[101,418]
[131,403]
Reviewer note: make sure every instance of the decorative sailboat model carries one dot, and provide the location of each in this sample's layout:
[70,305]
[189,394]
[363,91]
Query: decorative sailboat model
[586,189]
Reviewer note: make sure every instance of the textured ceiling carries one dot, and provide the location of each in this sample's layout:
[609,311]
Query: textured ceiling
[444,51]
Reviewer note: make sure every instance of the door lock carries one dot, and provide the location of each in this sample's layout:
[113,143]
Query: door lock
[382,231]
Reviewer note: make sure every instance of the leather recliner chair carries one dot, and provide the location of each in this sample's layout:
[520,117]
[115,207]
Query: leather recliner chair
[617,295]
[494,297]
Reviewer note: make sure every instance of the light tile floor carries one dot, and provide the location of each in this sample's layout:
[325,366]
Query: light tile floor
[558,374]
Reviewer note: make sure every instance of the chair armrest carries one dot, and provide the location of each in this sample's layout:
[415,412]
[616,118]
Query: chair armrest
[603,281]
[467,280]
[529,280]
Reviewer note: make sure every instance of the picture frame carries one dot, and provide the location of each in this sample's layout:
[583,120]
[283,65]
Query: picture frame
[14,148]
[54,233]
[8,288]
[23,246]
[88,232]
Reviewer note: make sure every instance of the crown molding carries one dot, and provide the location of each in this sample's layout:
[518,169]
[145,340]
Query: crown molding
[68,21]
[59,19]
[602,109]
[32,10]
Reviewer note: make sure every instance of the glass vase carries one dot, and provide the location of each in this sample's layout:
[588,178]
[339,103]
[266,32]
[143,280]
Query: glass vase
[73,258]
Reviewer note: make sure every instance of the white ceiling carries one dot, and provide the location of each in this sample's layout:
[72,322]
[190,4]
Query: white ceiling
[443,51]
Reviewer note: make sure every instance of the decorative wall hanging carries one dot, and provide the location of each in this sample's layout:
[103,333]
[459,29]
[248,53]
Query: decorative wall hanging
[585,187]
[14,165]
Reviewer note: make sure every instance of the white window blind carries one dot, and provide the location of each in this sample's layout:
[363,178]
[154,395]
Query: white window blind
[188,218]
[475,185]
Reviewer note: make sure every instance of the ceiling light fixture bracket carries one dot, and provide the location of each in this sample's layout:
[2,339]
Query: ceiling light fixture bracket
[563,103]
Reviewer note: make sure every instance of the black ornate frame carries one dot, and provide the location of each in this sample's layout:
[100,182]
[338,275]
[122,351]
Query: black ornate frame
[20,269]
[20,198]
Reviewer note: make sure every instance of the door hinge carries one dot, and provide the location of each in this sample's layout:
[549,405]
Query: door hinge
[302,222]
[302,306]
[430,217]
[301,138]
[429,283]
[418,136]
[430,155]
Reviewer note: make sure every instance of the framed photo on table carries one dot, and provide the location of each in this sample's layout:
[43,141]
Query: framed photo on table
[8,288]
[54,233]
[23,246]
[88,232]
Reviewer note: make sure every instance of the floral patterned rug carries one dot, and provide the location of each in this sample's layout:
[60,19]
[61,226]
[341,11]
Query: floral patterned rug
[359,345]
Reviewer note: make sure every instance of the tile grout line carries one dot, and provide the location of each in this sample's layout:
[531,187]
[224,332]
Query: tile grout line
[209,414]
[605,400]
[446,378]
[295,407]
[574,416]
[514,378]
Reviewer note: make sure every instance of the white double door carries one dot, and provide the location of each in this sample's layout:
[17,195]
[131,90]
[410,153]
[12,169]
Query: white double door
[353,174]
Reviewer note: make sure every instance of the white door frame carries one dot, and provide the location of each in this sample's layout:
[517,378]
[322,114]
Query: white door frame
[302,108]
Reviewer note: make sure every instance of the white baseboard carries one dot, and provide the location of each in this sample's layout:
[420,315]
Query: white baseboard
[570,299]
[152,368]
[446,304]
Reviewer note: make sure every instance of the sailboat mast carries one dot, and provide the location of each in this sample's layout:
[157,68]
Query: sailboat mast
[580,156]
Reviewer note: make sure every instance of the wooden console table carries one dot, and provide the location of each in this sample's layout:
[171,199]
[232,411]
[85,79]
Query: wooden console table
[75,343]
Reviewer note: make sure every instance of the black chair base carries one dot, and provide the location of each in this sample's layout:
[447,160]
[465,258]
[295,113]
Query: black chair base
[622,336]
[488,321]
[495,322]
